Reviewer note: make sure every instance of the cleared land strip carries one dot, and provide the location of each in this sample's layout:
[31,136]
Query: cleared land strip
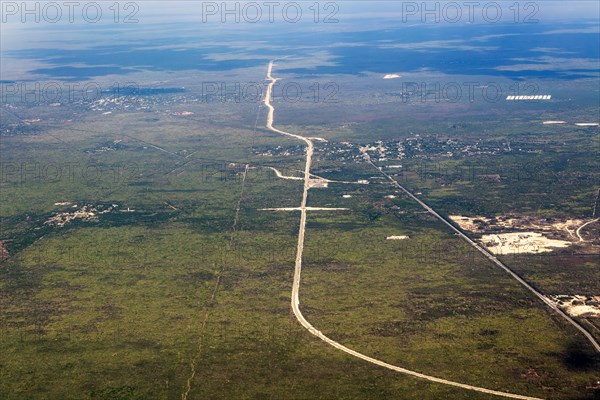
[211,300]
[306,208]
[298,270]
[492,258]
[279,174]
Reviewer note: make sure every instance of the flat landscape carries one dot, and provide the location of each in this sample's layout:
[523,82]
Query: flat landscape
[370,238]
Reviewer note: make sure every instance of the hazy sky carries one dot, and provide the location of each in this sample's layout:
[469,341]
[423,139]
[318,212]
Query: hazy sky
[151,15]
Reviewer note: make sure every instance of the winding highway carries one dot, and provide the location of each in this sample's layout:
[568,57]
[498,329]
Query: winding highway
[295,298]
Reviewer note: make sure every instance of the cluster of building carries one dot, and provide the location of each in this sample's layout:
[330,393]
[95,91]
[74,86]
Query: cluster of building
[86,213]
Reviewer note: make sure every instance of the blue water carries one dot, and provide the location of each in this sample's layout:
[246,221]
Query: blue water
[465,49]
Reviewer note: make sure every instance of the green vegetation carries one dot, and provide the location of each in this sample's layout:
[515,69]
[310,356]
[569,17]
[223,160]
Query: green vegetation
[122,307]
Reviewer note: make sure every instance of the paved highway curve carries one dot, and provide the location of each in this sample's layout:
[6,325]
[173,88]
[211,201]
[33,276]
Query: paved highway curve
[295,300]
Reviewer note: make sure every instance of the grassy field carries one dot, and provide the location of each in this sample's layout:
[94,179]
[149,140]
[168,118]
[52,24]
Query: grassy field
[130,305]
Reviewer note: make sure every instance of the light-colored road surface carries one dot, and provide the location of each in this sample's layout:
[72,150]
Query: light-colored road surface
[280,175]
[578,231]
[306,208]
[298,269]
[491,257]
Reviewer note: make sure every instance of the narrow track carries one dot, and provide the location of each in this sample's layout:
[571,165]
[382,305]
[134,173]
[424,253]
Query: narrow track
[578,231]
[211,300]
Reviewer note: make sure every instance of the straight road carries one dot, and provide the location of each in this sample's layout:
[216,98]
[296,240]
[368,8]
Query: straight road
[493,259]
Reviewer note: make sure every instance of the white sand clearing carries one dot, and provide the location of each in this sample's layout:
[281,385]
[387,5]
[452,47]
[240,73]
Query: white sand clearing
[518,222]
[467,223]
[583,311]
[578,305]
[521,242]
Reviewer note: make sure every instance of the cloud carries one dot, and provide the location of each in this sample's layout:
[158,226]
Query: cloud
[591,29]
[438,44]
[552,50]
[547,63]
